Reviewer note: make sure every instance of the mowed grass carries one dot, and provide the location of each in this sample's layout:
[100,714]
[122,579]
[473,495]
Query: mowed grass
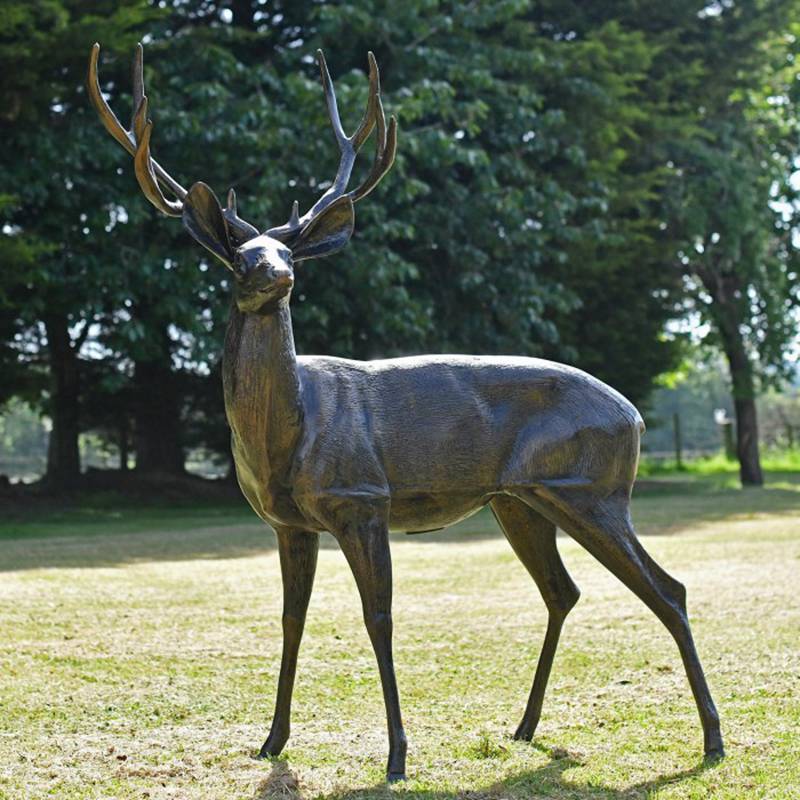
[139,655]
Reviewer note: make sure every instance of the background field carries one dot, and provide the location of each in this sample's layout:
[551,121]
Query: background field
[139,653]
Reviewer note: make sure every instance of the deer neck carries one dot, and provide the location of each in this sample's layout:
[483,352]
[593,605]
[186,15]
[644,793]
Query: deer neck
[262,392]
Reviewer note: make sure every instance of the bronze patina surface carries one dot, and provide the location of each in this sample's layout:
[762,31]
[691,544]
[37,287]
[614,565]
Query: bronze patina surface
[409,444]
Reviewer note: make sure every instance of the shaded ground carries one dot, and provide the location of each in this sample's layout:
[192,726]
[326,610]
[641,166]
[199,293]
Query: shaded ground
[139,655]
[111,489]
[222,525]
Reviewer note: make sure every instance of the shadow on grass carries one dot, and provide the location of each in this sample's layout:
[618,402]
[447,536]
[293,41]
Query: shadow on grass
[548,780]
[663,512]
[116,549]
[90,538]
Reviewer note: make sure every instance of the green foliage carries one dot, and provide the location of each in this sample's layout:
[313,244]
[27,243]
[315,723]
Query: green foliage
[733,204]
[555,160]
[697,390]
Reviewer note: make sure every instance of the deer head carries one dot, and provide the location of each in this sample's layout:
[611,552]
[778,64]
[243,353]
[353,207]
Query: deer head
[262,264]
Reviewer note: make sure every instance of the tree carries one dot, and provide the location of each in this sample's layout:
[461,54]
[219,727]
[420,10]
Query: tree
[721,101]
[733,201]
[557,160]
[528,175]
[512,207]
[56,200]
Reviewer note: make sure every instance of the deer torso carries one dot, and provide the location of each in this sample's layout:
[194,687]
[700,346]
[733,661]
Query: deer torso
[435,436]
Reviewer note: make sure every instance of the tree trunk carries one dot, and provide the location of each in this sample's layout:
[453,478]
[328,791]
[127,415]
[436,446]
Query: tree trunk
[157,436]
[747,441]
[729,312]
[744,404]
[63,457]
[243,14]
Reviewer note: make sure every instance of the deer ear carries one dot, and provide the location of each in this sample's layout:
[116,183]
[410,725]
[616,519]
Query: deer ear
[326,233]
[203,218]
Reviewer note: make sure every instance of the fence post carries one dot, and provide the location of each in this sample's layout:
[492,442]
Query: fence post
[676,430]
[726,428]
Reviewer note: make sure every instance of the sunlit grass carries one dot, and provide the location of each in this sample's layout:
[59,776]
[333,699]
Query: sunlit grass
[142,661]
[722,470]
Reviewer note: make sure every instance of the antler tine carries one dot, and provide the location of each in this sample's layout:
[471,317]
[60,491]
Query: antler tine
[138,79]
[385,150]
[241,229]
[136,141]
[330,100]
[140,100]
[386,145]
[107,116]
[145,173]
[374,107]
[350,145]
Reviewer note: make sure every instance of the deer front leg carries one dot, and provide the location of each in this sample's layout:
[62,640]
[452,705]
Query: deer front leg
[365,543]
[298,554]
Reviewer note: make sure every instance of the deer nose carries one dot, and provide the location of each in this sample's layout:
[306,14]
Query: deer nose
[282,278]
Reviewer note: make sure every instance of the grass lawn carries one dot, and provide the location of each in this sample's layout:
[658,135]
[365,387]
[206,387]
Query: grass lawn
[139,652]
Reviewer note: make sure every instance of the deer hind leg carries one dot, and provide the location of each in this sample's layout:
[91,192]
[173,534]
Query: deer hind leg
[604,527]
[533,538]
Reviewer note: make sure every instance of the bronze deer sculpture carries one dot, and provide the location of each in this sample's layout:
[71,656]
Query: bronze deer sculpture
[410,444]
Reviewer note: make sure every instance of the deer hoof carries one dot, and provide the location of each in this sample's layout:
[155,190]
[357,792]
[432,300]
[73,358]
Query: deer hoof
[714,754]
[524,733]
[714,750]
[273,746]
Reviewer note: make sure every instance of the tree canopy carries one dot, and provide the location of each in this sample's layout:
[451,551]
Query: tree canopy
[570,178]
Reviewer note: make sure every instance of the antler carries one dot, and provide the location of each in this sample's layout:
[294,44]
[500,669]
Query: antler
[152,176]
[149,173]
[385,147]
